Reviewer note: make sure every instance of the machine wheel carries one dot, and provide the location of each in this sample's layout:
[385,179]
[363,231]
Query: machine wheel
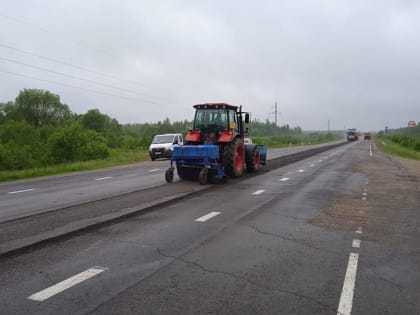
[181,173]
[202,177]
[169,175]
[252,158]
[186,173]
[234,158]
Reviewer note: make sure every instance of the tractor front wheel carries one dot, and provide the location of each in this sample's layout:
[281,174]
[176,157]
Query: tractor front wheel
[234,158]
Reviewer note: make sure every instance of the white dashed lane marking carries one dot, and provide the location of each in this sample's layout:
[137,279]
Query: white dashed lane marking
[301,171]
[346,299]
[356,243]
[66,284]
[20,191]
[208,216]
[284,179]
[258,192]
[154,170]
[103,178]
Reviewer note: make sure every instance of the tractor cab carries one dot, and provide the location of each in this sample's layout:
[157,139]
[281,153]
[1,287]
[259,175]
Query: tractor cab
[215,122]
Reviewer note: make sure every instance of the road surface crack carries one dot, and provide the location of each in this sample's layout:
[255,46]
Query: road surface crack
[289,239]
[253,283]
[285,238]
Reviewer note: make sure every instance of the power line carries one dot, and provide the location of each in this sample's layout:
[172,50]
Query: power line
[60,36]
[82,79]
[86,89]
[81,68]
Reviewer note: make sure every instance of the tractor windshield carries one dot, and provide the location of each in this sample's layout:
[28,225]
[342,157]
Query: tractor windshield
[214,119]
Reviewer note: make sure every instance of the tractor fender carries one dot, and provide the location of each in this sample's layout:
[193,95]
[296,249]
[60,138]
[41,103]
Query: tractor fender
[227,136]
[193,136]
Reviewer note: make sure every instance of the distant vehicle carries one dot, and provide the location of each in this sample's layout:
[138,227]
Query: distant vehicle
[367,136]
[352,135]
[162,146]
[247,141]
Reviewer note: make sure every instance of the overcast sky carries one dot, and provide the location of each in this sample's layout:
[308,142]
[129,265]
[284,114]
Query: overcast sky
[354,63]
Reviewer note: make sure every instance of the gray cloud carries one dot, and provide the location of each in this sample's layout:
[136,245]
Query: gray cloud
[355,63]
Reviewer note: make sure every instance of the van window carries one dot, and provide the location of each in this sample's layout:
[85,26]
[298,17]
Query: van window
[163,139]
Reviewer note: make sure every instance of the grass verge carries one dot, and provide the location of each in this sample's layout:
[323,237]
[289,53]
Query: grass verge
[116,157]
[393,148]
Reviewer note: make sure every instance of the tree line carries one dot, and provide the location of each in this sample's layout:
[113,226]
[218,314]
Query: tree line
[38,130]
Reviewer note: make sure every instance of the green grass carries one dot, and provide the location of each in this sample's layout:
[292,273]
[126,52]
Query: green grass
[116,157]
[393,148]
[294,141]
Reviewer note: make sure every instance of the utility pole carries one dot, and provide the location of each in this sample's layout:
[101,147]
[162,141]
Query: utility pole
[328,126]
[275,113]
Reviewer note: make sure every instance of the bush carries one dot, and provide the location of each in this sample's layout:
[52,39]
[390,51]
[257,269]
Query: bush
[94,146]
[21,146]
[73,143]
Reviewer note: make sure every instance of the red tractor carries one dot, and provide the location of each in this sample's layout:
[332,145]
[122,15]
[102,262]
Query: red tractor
[214,148]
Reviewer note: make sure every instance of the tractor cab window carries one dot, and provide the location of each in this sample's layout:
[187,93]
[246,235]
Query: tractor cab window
[215,119]
[233,124]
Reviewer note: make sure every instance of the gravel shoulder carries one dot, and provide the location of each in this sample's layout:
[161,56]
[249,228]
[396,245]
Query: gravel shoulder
[390,210]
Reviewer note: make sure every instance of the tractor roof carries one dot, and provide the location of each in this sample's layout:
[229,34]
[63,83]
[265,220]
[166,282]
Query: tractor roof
[216,105]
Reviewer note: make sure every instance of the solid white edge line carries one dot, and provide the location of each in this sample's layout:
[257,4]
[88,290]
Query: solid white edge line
[102,178]
[258,192]
[346,299]
[356,243]
[20,191]
[208,216]
[66,284]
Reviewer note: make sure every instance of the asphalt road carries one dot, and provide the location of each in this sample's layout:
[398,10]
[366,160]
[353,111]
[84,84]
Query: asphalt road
[279,243]
[22,198]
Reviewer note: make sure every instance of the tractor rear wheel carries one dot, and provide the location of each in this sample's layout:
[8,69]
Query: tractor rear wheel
[252,158]
[234,158]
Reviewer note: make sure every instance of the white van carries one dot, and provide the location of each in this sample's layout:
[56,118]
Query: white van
[163,145]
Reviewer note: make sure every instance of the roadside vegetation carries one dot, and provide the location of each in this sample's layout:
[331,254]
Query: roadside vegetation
[39,135]
[300,139]
[403,142]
